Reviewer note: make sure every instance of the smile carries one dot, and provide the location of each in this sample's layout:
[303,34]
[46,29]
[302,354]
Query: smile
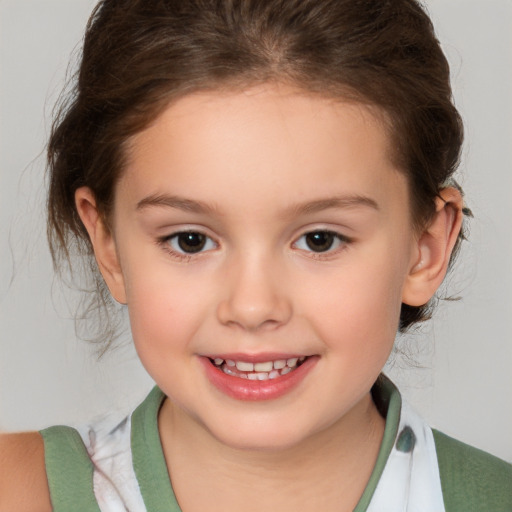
[264,378]
[266,370]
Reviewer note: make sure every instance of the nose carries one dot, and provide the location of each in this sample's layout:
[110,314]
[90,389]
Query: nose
[255,297]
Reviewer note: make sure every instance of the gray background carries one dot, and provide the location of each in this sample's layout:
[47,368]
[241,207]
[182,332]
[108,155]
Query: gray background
[458,369]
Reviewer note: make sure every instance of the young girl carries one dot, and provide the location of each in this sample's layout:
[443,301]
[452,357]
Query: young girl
[266,186]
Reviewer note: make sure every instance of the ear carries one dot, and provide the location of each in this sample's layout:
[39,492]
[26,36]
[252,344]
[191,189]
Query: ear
[102,241]
[433,249]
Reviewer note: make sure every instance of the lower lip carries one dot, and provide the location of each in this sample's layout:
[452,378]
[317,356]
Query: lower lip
[244,389]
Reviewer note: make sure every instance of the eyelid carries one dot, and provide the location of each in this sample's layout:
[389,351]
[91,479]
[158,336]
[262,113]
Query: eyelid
[341,241]
[164,242]
[208,242]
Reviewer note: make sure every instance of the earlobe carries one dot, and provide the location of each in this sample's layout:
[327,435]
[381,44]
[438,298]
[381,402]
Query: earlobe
[102,241]
[433,249]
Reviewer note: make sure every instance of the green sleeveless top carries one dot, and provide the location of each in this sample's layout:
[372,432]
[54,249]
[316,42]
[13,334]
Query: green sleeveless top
[470,480]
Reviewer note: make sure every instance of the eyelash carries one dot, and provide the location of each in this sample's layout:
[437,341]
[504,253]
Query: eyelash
[206,243]
[180,253]
[339,241]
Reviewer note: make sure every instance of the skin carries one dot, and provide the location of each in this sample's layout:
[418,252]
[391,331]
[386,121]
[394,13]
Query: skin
[255,171]
[22,468]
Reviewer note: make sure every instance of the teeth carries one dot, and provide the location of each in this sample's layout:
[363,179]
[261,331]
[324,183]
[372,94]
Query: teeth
[227,370]
[244,367]
[263,367]
[258,371]
[258,376]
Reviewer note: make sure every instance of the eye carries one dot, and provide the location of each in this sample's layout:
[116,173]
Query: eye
[190,242]
[320,241]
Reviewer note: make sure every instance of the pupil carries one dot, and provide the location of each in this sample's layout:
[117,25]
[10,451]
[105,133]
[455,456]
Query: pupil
[191,242]
[320,241]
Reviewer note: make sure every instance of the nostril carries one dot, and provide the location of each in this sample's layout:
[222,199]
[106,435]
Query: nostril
[254,317]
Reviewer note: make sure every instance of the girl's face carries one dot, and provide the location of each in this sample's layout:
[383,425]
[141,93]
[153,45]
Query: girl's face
[264,241]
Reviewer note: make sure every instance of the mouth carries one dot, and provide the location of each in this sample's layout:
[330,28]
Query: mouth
[261,377]
[260,371]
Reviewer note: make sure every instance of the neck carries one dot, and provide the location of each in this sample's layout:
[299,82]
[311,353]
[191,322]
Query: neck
[325,470]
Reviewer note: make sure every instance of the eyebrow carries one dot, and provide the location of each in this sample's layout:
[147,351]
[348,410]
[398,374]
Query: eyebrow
[351,201]
[177,202]
[189,205]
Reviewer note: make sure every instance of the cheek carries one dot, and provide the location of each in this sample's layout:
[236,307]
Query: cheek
[359,307]
[166,305]
[162,326]
[167,311]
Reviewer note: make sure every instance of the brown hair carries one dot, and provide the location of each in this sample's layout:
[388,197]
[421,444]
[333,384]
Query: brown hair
[138,55]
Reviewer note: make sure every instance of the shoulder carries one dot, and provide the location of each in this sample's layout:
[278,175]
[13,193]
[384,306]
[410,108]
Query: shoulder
[22,467]
[471,479]
[69,470]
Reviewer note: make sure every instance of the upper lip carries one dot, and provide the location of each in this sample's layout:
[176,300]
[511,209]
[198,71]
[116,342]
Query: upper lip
[255,358]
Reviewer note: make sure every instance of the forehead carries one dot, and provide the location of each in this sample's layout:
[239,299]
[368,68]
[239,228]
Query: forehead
[268,138]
